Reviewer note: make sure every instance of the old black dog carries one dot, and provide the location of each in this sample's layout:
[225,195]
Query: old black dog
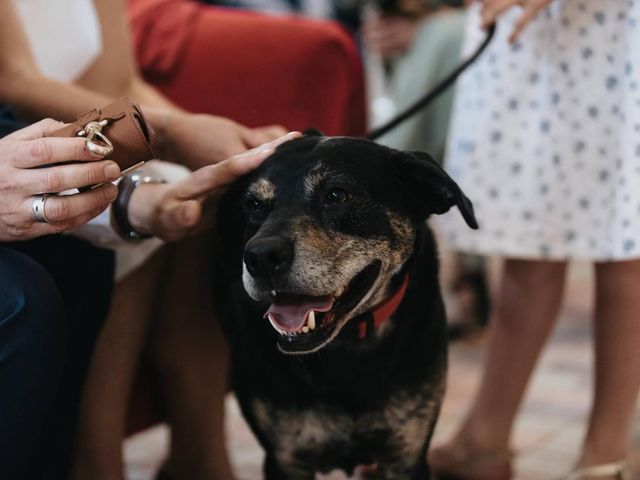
[329,292]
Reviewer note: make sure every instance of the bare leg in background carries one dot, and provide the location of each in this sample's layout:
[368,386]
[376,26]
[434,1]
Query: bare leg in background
[98,452]
[168,305]
[525,311]
[192,358]
[617,362]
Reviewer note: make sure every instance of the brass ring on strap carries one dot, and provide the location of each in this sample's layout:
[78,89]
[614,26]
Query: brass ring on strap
[97,142]
[102,146]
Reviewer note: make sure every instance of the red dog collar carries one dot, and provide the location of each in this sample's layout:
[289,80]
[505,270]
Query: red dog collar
[379,315]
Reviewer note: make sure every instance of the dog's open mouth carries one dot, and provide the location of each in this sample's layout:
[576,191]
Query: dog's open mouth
[306,323]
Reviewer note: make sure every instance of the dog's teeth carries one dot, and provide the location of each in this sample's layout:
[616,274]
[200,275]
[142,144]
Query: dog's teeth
[339,292]
[274,325]
[311,320]
[272,321]
[272,293]
[305,329]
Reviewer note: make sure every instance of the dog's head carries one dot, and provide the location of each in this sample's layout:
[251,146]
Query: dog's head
[328,222]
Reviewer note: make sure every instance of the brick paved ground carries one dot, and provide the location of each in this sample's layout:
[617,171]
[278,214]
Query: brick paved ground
[548,432]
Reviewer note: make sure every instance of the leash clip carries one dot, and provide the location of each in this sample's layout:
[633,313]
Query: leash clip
[96,141]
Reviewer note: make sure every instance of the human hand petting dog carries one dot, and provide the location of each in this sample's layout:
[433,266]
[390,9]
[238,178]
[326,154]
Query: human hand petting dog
[492,9]
[196,140]
[20,180]
[174,211]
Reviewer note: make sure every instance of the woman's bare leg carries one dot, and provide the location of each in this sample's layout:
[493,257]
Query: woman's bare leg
[525,311]
[98,452]
[192,358]
[617,361]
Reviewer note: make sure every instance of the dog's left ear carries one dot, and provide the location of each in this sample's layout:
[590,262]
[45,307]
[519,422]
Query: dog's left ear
[431,188]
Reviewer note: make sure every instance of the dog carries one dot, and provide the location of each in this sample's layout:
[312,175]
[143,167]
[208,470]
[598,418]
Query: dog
[328,291]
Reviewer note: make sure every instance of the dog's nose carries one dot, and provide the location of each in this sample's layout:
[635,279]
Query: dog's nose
[268,256]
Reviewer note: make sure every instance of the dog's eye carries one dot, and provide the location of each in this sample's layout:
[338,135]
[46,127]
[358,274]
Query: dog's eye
[336,196]
[254,205]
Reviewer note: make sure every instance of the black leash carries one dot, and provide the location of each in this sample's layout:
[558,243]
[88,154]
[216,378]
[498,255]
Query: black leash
[434,92]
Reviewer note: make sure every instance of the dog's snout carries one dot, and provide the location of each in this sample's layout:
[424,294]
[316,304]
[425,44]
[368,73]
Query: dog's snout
[268,256]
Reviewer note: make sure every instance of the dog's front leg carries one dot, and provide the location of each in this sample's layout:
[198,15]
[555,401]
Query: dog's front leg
[275,470]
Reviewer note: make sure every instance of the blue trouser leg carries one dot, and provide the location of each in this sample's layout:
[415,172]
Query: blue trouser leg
[60,342]
[33,335]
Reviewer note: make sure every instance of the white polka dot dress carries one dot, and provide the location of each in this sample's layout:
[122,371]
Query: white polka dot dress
[545,136]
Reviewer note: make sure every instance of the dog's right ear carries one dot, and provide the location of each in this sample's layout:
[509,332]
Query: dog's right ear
[313,132]
[431,189]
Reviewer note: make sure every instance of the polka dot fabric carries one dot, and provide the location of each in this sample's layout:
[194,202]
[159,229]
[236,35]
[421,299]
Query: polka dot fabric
[545,136]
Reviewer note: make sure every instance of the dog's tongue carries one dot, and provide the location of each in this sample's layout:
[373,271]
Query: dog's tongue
[289,312]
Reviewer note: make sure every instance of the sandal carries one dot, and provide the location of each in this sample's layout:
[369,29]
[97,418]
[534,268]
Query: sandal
[618,470]
[485,466]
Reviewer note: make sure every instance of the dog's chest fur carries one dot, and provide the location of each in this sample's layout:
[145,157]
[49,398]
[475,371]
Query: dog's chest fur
[325,436]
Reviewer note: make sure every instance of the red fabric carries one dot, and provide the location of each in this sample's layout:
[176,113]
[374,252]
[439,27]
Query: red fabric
[256,69]
[161,32]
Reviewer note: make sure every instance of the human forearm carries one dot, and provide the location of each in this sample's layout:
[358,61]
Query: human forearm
[146,95]
[35,96]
